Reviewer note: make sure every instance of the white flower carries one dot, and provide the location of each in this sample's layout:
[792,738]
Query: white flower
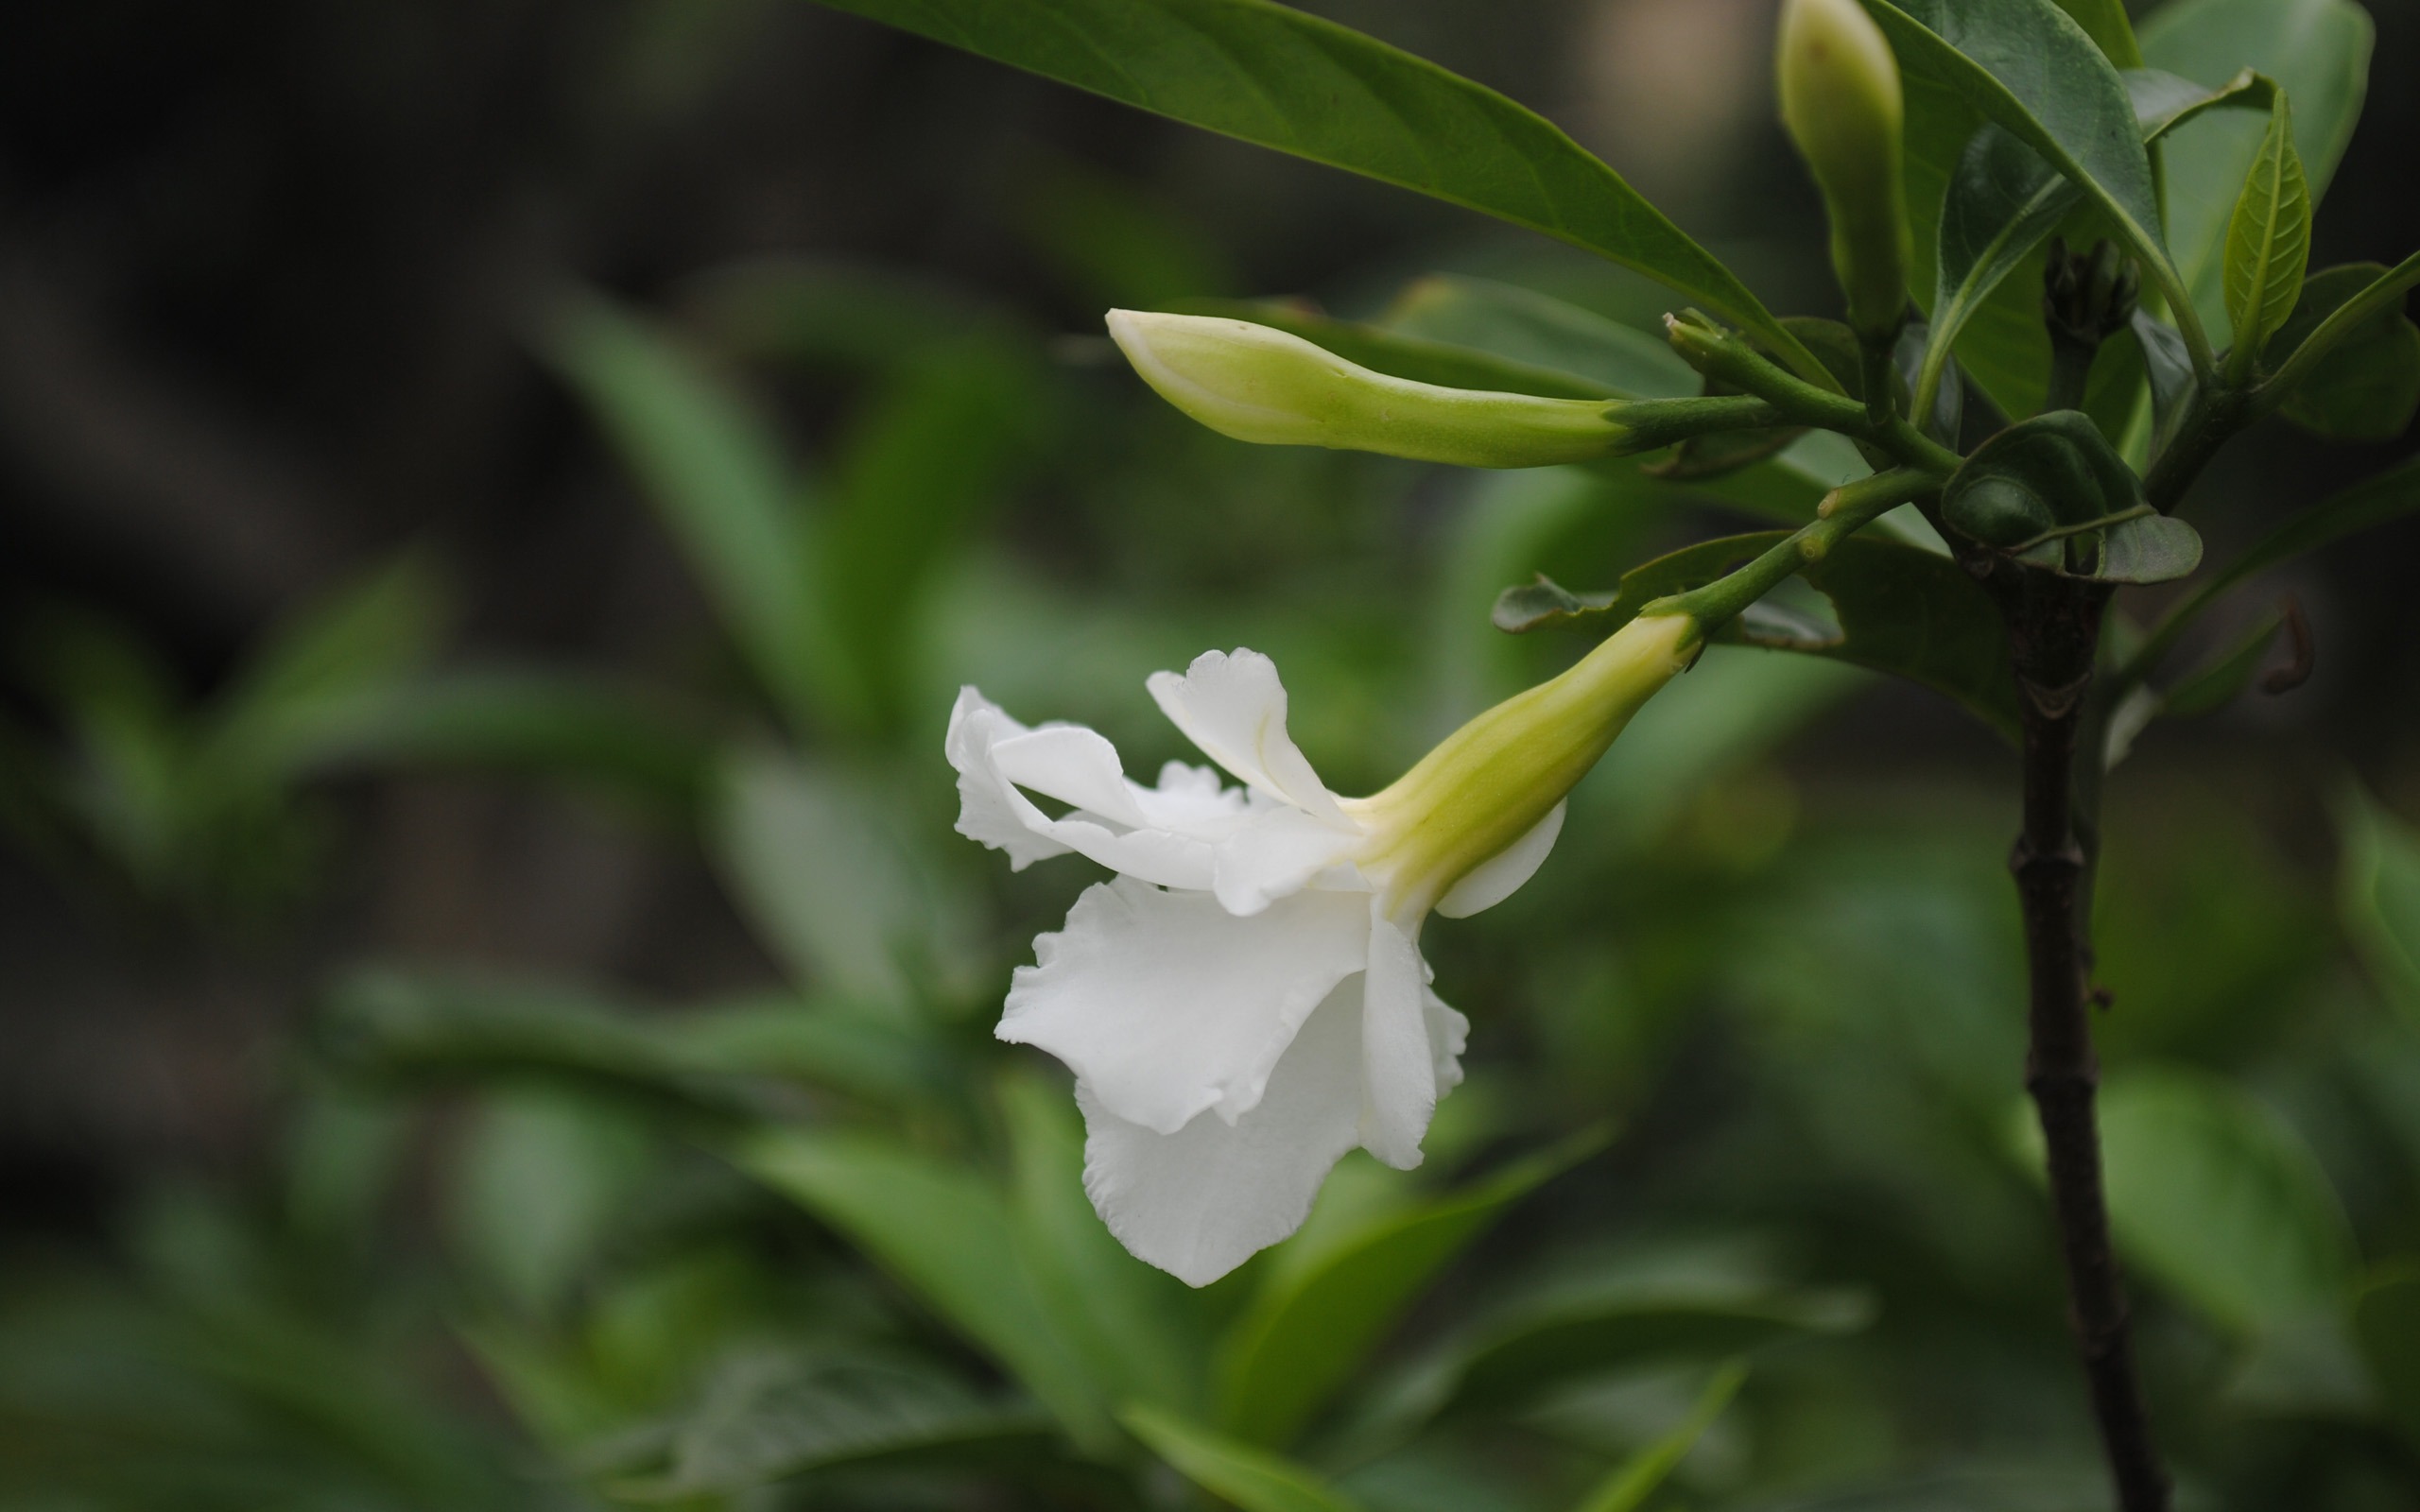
[1246,1001]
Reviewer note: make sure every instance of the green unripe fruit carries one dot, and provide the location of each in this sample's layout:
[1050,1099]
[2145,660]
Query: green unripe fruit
[1841,99]
[1258,383]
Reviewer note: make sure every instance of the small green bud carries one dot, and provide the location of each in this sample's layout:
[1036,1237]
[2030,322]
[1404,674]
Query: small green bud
[1841,99]
[1258,383]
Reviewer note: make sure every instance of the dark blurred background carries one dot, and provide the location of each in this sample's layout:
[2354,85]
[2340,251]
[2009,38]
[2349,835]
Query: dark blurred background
[271,283]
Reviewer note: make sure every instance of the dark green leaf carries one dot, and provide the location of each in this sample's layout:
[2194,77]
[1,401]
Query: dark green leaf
[1538,331]
[368,637]
[1310,1327]
[717,477]
[2386,1328]
[946,1235]
[2164,101]
[2268,238]
[1546,602]
[2221,1201]
[2317,50]
[2047,473]
[2105,22]
[2366,386]
[2170,370]
[771,1418]
[1284,79]
[1629,1486]
[2378,891]
[2218,684]
[2148,549]
[1129,1319]
[1251,1479]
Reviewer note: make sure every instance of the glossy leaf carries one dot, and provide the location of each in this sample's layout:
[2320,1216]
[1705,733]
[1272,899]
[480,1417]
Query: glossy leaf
[2148,549]
[1899,608]
[776,1416]
[1310,1327]
[2386,1329]
[2366,386]
[946,1235]
[2378,891]
[2221,1201]
[1629,1486]
[2317,50]
[2105,22]
[1281,79]
[1251,1479]
[1524,326]
[2268,238]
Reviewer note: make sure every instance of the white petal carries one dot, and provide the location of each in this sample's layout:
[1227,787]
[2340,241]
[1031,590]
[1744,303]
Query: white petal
[1198,1202]
[1398,1065]
[1233,708]
[1449,1035]
[1072,764]
[1501,876]
[1165,1004]
[1274,854]
[988,809]
[1193,800]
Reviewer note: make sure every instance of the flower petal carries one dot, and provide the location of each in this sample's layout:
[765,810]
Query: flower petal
[1274,854]
[1233,708]
[1198,1202]
[1072,764]
[1165,1004]
[1449,1035]
[1501,876]
[989,809]
[1398,1064]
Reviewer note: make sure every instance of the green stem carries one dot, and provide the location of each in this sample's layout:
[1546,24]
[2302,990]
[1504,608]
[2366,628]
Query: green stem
[1845,511]
[1718,355]
[1652,424]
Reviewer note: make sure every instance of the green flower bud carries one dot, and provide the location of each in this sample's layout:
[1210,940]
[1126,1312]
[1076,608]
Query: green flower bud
[1258,383]
[1840,97]
[1489,783]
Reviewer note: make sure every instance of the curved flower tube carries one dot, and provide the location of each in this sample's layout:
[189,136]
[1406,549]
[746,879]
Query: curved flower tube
[1246,999]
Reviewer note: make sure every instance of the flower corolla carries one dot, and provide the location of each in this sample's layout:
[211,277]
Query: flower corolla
[1246,1001]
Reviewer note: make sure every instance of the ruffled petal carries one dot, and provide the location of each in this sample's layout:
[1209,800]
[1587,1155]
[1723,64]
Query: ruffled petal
[1275,854]
[1500,876]
[1168,1005]
[1072,764]
[989,809]
[1200,1201]
[1449,1035]
[1233,706]
[1398,1064]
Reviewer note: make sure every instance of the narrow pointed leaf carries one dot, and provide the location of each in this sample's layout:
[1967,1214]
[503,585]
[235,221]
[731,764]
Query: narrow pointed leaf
[1252,1479]
[1285,80]
[1630,1484]
[2268,239]
[1309,1329]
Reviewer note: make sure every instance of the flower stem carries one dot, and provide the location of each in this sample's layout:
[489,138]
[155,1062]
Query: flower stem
[1845,511]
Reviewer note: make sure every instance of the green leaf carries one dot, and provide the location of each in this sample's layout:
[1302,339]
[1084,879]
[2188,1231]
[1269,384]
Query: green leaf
[534,1187]
[945,1233]
[1251,1479]
[1629,1486]
[768,1417]
[1281,79]
[715,476]
[2221,1201]
[2381,500]
[2105,22]
[2378,894]
[2268,240]
[1524,326]
[2317,50]
[2219,682]
[1130,1319]
[2385,1322]
[1898,608]
[2154,548]
[2026,67]
[2364,386]
[2053,493]
[2164,101]
[367,638]
[1311,1327]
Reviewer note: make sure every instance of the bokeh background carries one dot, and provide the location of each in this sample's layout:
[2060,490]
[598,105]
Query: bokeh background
[371,667]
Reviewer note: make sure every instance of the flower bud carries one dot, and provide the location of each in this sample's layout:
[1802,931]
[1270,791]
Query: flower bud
[1490,783]
[1841,99]
[1258,383]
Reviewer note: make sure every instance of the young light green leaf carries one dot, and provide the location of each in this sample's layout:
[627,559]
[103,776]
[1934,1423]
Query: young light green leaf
[2317,50]
[1285,80]
[946,1235]
[1252,1479]
[1310,1329]
[1629,1486]
[2218,1199]
[2378,894]
[2267,242]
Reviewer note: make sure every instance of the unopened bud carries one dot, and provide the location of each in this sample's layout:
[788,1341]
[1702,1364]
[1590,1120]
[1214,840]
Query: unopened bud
[1258,383]
[1841,99]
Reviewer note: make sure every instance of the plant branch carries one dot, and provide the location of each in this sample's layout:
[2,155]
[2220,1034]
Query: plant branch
[1845,511]
[1718,353]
